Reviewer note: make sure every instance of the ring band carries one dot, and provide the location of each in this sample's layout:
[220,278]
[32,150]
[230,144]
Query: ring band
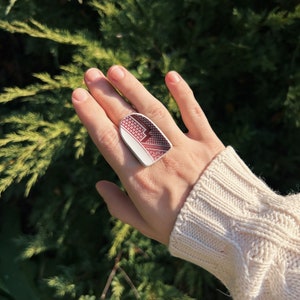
[145,140]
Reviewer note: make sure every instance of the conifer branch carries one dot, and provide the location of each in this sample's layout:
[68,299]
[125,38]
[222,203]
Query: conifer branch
[67,81]
[35,29]
[111,276]
[28,152]
[10,6]
[129,281]
[122,231]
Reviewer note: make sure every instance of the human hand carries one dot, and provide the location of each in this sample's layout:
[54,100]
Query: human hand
[155,194]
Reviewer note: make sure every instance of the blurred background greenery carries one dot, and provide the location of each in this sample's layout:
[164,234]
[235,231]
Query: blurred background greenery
[57,240]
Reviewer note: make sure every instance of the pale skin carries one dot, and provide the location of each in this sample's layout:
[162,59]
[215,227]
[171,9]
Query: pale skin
[154,195]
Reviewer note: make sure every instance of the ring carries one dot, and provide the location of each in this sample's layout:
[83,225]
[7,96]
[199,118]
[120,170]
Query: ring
[145,140]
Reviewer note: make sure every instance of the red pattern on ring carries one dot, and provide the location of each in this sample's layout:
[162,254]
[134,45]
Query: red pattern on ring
[146,134]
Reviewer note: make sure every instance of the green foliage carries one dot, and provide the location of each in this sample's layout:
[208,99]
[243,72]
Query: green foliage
[242,61]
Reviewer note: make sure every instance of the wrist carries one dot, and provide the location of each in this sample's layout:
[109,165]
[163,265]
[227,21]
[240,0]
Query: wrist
[213,229]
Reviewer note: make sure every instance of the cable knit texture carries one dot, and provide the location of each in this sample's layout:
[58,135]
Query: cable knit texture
[238,229]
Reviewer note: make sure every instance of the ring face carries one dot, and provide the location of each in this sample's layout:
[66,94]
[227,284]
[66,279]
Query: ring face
[144,138]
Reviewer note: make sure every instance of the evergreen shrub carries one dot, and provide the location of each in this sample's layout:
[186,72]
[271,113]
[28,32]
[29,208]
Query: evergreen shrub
[57,240]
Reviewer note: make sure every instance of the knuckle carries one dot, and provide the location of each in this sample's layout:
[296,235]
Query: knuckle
[107,139]
[197,111]
[185,92]
[157,111]
[144,181]
[130,89]
[189,92]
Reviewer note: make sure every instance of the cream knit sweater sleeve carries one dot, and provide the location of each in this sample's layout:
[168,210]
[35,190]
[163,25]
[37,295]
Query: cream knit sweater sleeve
[238,229]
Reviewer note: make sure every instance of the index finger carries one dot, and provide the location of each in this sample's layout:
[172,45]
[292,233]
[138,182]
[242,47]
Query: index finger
[103,132]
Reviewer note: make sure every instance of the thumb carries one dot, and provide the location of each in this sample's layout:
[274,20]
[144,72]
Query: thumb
[120,205]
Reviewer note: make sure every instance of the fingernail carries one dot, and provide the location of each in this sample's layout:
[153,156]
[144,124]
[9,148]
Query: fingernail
[174,77]
[116,73]
[80,95]
[92,75]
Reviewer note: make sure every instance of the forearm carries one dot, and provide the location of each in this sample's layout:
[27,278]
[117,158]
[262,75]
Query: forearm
[234,226]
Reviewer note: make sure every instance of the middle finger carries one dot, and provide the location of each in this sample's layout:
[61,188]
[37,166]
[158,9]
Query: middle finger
[105,94]
[144,102]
